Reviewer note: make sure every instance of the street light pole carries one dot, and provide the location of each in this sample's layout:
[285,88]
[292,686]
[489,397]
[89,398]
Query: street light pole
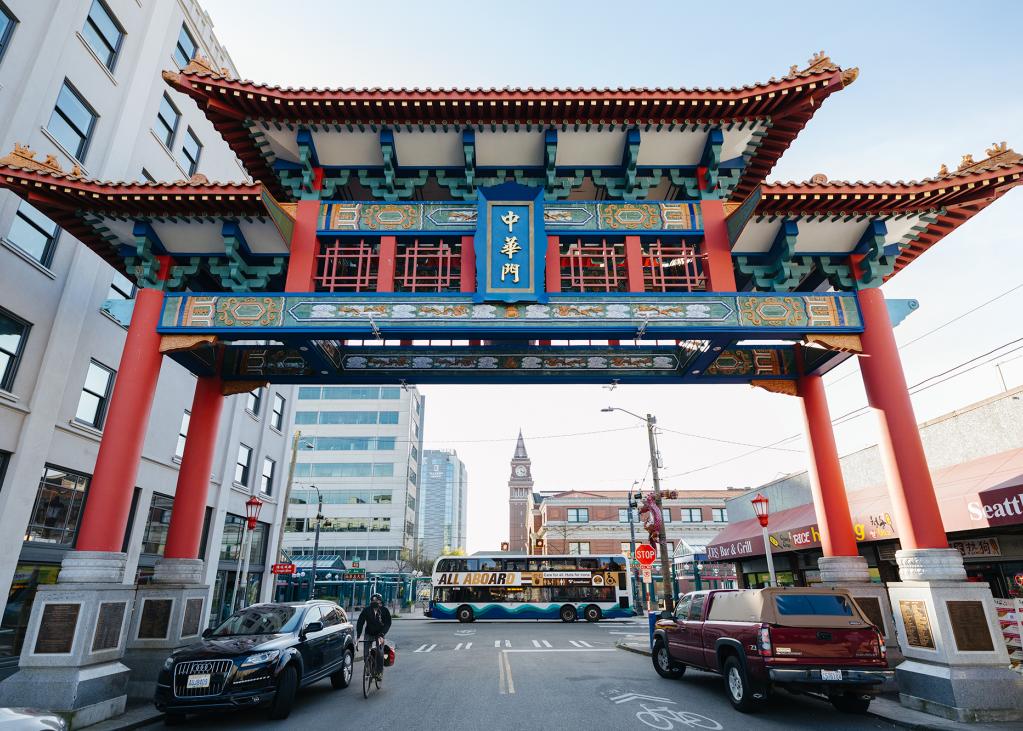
[287,496]
[666,575]
[241,576]
[760,509]
[316,540]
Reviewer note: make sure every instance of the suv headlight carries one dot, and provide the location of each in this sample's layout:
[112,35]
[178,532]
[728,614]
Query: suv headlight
[261,657]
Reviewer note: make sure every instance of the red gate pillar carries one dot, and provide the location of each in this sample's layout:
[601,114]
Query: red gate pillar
[117,464]
[185,530]
[914,503]
[304,248]
[717,250]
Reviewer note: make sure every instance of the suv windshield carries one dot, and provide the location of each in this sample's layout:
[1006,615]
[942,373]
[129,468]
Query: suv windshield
[260,620]
[830,605]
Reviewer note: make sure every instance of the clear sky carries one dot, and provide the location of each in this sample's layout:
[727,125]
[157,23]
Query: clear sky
[937,80]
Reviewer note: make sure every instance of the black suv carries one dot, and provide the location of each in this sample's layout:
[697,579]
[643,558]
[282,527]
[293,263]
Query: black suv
[260,654]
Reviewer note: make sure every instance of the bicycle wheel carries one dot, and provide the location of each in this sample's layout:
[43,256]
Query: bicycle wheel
[655,720]
[695,720]
[367,674]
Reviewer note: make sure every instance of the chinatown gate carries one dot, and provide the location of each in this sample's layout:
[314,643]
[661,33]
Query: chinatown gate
[503,237]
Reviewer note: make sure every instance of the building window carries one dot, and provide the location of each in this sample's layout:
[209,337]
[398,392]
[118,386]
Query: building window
[72,122]
[719,515]
[184,51]
[34,233]
[191,149]
[253,400]
[7,23]
[231,540]
[266,480]
[692,515]
[155,537]
[121,288]
[623,515]
[179,448]
[670,546]
[103,33]
[166,123]
[626,549]
[346,417]
[277,415]
[13,335]
[241,468]
[58,507]
[344,469]
[578,515]
[413,477]
[666,515]
[92,404]
[576,548]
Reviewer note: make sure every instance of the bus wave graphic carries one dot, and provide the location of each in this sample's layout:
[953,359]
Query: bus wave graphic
[525,611]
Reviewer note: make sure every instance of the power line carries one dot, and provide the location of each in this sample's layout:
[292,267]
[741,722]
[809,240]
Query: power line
[726,441]
[856,413]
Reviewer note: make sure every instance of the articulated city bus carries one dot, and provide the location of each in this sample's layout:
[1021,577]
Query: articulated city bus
[502,586]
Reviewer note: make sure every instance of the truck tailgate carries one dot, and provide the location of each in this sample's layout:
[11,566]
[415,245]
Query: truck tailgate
[838,644]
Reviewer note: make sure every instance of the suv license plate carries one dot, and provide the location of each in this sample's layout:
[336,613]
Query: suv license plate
[198,681]
[825,675]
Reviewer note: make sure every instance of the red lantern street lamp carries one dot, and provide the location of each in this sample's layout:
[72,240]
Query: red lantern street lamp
[241,577]
[760,509]
[252,507]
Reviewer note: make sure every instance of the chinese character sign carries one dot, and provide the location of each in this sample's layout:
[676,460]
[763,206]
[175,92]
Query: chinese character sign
[511,245]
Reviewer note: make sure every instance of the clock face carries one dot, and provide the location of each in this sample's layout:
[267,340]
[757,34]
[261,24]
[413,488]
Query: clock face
[520,470]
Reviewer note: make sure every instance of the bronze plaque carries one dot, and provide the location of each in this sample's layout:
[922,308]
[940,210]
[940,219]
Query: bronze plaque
[193,613]
[917,624]
[108,626]
[155,621]
[970,626]
[871,607]
[57,628]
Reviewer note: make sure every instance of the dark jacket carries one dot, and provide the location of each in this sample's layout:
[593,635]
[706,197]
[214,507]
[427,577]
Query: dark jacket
[376,620]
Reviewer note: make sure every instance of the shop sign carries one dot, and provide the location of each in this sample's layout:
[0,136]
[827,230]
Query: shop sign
[998,507]
[735,548]
[977,547]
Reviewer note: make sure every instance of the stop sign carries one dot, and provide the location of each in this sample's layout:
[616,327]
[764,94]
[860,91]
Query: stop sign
[645,554]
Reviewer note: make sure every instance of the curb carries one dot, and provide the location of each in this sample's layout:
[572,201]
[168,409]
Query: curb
[628,648]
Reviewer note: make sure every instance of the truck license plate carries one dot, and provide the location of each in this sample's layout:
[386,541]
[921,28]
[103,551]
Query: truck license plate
[198,681]
[831,674]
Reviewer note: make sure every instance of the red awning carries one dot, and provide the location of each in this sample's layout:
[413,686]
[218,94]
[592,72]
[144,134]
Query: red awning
[980,493]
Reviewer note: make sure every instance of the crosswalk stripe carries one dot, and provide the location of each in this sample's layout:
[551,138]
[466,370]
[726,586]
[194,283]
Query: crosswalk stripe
[507,643]
[458,646]
[546,643]
[584,643]
[421,648]
[497,643]
[424,648]
[535,643]
[573,643]
[468,645]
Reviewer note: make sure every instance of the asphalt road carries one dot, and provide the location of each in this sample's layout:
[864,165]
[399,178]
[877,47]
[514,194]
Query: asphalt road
[532,675]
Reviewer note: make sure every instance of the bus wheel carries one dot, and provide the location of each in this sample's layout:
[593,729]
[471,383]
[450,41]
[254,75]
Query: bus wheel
[465,614]
[592,613]
[568,613]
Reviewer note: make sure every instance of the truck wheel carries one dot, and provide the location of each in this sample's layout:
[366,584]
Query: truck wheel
[738,686]
[342,678]
[592,613]
[663,663]
[465,614]
[851,703]
[284,698]
[568,613]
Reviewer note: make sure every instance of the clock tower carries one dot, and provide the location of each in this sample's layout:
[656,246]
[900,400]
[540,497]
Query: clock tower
[520,499]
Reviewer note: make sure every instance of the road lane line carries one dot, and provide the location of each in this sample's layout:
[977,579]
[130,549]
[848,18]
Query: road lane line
[497,643]
[584,643]
[501,680]
[468,645]
[507,643]
[535,643]
[546,643]
[458,646]
[508,672]
[573,643]
[421,649]
[568,649]
[431,648]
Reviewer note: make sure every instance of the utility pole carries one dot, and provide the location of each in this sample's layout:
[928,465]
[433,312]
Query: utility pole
[287,496]
[669,594]
[316,540]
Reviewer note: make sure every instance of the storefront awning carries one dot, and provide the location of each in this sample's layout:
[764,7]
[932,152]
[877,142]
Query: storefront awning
[977,494]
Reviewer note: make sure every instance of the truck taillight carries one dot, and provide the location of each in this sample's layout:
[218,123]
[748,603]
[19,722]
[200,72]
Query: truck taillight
[882,650]
[765,641]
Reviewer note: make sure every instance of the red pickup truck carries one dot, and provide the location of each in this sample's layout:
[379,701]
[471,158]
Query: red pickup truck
[806,640]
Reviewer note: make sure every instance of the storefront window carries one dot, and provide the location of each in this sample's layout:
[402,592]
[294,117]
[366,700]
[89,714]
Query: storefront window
[155,537]
[19,604]
[58,507]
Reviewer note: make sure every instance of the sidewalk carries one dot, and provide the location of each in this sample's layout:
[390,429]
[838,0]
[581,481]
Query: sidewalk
[885,706]
[414,614]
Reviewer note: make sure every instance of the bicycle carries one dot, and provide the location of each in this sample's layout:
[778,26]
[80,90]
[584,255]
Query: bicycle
[369,665]
[664,718]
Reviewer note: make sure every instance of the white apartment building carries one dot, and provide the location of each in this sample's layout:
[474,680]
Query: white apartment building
[80,80]
[360,447]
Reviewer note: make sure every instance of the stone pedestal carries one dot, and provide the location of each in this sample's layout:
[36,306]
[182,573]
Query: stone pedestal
[169,613]
[74,642]
[956,663]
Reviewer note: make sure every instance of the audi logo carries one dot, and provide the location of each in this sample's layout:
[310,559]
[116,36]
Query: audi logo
[202,667]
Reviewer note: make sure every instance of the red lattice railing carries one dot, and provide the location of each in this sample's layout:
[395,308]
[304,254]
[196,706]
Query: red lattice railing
[672,266]
[593,265]
[348,265]
[428,265]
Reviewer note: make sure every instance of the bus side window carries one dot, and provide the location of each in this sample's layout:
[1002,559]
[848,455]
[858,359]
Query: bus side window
[618,562]
[488,564]
[588,563]
[472,564]
[515,564]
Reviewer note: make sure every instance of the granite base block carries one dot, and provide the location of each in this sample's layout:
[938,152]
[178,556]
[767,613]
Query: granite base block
[84,696]
[962,693]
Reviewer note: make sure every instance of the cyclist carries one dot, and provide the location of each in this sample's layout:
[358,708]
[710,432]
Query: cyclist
[377,621]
